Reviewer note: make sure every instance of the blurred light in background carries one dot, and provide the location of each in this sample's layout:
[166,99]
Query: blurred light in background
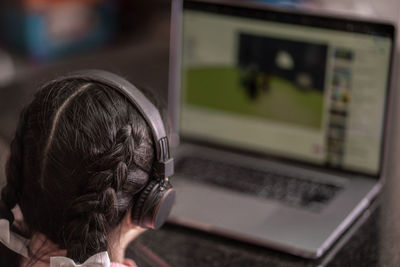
[45,29]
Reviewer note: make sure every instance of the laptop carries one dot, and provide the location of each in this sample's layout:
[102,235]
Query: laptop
[282,121]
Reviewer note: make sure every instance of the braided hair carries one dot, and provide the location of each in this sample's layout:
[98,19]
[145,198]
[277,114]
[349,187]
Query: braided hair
[80,154]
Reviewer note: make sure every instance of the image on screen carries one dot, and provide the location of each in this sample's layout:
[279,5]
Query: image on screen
[276,79]
[292,91]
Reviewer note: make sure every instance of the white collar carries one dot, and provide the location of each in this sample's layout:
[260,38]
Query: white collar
[98,260]
[12,240]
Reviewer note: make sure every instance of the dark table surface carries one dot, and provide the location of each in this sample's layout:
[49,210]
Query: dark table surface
[179,246]
[374,240]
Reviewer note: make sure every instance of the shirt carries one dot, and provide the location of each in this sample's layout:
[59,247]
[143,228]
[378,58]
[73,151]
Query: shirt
[43,248]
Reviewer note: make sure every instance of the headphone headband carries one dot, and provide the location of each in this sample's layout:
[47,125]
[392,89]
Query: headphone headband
[165,164]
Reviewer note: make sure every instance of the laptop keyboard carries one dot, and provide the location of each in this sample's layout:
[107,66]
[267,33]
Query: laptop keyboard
[287,189]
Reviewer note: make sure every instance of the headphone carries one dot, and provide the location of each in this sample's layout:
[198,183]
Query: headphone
[155,201]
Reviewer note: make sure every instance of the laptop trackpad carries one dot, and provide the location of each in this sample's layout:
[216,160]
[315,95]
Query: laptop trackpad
[205,205]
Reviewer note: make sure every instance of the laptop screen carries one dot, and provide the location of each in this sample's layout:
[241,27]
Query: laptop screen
[305,88]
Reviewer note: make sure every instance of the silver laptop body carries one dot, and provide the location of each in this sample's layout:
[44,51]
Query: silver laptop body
[284,93]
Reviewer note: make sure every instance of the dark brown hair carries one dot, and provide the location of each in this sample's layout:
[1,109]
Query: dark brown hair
[80,154]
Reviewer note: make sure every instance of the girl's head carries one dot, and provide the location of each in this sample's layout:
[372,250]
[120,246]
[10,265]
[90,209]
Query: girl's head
[81,155]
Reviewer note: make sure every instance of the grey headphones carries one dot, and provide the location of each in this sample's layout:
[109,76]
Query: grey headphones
[155,201]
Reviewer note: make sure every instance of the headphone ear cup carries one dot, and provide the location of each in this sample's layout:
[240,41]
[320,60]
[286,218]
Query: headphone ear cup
[154,204]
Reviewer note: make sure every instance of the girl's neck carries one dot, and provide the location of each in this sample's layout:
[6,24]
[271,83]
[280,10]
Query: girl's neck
[120,239]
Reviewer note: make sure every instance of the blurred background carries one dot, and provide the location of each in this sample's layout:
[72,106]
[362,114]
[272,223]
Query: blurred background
[43,38]
[40,39]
